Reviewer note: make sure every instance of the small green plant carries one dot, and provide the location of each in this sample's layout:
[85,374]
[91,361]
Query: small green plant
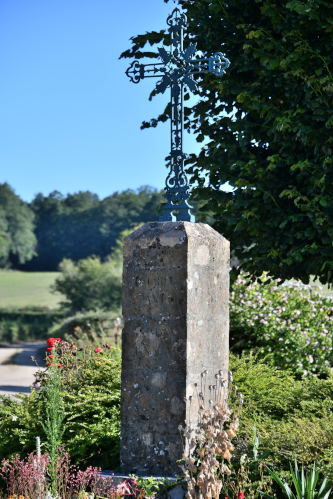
[149,486]
[55,412]
[305,485]
[248,469]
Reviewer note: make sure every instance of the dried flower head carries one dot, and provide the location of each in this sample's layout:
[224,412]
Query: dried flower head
[202,466]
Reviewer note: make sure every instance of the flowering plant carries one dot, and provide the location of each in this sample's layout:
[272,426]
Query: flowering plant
[287,322]
[89,389]
[25,477]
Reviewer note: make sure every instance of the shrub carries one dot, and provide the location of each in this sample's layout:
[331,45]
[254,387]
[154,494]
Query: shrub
[92,412]
[294,418]
[26,324]
[89,284]
[284,321]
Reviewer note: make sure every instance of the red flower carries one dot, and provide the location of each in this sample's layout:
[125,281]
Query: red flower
[49,349]
[59,365]
[51,342]
[51,364]
[58,339]
[241,495]
[97,350]
[51,357]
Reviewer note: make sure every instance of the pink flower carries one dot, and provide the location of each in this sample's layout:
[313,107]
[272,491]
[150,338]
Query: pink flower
[310,359]
[97,350]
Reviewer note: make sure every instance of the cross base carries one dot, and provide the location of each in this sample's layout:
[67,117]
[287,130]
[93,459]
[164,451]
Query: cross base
[176,201]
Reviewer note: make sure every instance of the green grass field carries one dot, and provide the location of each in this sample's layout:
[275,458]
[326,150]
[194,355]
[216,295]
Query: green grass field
[26,289]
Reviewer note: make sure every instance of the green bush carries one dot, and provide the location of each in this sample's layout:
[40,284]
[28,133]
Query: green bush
[284,321]
[91,284]
[92,413]
[294,418]
[26,324]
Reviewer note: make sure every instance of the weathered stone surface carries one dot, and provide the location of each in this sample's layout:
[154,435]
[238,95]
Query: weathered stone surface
[176,325]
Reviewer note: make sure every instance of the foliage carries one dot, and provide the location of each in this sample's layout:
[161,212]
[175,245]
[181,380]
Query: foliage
[267,126]
[17,238]
[248,474]
[92,412]
[288,322]
[305,486]
[24,477]
[294,418]
[91,284]
[55,415]
[27,324]
[150,486]
[80,225]
[28,478]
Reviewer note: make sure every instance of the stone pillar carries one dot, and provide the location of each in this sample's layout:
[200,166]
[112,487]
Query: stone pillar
[176,325]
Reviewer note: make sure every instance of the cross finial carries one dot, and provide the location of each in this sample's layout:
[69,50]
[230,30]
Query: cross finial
[176,71]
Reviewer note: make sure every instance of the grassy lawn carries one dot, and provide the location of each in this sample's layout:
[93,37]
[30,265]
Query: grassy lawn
[25,289]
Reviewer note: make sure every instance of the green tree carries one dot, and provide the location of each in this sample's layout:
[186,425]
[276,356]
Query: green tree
[80,225]
[17,238]
[91,284]
[268,129]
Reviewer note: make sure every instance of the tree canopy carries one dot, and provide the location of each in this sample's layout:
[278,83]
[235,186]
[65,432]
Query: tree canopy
[80,225]
[17,238]
[267,125]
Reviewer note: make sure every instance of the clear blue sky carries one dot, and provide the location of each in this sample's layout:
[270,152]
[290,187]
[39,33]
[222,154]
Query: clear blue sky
[69,116]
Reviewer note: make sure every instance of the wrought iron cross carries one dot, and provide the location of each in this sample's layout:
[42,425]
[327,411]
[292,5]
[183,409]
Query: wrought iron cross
[176,71]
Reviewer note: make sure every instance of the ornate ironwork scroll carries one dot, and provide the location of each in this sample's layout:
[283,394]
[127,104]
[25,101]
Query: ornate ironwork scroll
[176,71]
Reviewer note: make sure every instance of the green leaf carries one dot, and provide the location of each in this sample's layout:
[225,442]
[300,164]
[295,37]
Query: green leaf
[273,63]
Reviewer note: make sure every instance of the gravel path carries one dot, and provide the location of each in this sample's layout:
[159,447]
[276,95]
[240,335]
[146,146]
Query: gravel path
[17,368]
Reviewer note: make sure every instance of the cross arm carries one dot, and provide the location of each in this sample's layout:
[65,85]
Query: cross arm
[138,71]
[216,64]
